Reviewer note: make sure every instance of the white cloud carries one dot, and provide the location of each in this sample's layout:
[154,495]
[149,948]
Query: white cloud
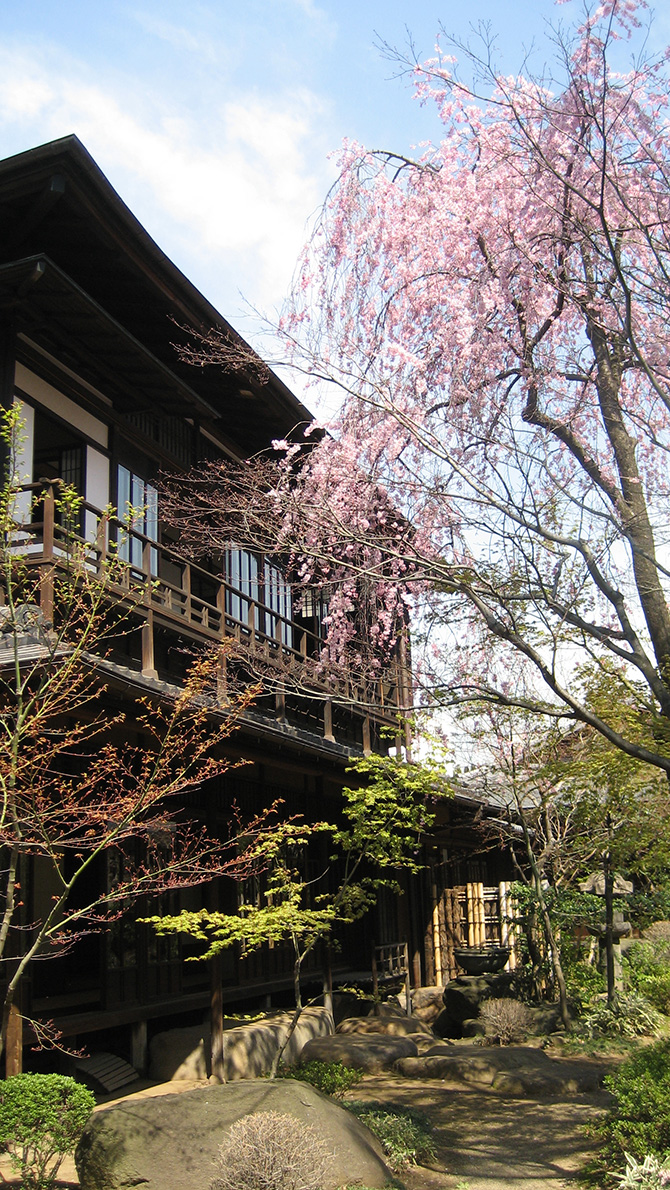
[181,37]
[231,188]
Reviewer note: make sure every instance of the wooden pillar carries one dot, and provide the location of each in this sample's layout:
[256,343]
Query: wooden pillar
[327,979]
[148,667]
[428,935]
[435,916]
[138,1047]
[375,978]
[367,747]
[216,1020]
[222,679]
[14,1042]
[415,931]
[328,721]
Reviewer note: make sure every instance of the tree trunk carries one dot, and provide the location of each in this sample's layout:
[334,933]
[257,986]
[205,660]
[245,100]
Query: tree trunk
[609,927]
[297,1012]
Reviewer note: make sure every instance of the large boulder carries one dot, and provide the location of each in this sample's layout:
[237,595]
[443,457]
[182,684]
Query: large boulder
[463,996]
[248,1049]
[371,1052]
[427,1003]
[510,1070]
[170,1142]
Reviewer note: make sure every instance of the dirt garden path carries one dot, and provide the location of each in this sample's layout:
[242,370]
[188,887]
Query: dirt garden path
[491,1142]
[484,1140]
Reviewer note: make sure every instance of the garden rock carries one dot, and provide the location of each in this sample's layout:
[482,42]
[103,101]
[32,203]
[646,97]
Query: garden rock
[427,1003]
[474,1028]
[390,1008]
[371,1052]
[513,1070]
[248,1049]
[170,1142]
[463,996]
[392,1026]
[544,1019]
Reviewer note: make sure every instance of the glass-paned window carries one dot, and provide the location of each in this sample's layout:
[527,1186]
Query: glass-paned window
[242,577]
[253,581]
[278,599]
[137,503]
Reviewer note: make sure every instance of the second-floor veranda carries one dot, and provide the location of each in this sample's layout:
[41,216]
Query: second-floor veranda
[250,605]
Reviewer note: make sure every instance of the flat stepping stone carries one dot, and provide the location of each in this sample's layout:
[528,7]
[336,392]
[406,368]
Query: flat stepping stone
[392,1026]
[517,1071]
[371,1052]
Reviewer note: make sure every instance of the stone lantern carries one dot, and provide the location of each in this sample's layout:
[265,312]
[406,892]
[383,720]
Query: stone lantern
[596,884]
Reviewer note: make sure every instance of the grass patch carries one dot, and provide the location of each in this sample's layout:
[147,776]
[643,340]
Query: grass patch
[331,1078]
[404,1134]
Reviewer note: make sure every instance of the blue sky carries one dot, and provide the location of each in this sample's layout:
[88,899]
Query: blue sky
[214,121]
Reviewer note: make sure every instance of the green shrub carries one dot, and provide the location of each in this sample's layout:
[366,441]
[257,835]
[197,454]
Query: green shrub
[404,1134]
[584,982]
[646,958]
[42,1117]
[656,989]
[643,1175]
[332,1078]
[631,1016]
[639,1122]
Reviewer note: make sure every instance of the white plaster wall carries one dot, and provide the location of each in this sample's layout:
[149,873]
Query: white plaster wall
[22,461]
[54,400]
[97,488]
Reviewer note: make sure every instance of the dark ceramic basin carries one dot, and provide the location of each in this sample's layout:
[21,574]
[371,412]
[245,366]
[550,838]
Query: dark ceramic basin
[481,960]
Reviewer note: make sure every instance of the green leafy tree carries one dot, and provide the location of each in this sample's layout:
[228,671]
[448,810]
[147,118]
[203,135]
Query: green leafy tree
[582,805]
[383,819]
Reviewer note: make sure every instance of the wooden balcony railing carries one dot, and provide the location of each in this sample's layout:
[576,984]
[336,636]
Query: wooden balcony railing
[167,589]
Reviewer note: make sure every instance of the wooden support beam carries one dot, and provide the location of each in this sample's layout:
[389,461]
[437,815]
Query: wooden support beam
[148,662]
[327,978]
[328,721]
[139,1051]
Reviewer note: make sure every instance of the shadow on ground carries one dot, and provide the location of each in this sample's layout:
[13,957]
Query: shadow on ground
[491,1142]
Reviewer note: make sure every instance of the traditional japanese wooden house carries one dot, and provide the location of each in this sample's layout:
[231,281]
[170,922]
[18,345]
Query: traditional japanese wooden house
[90,309]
